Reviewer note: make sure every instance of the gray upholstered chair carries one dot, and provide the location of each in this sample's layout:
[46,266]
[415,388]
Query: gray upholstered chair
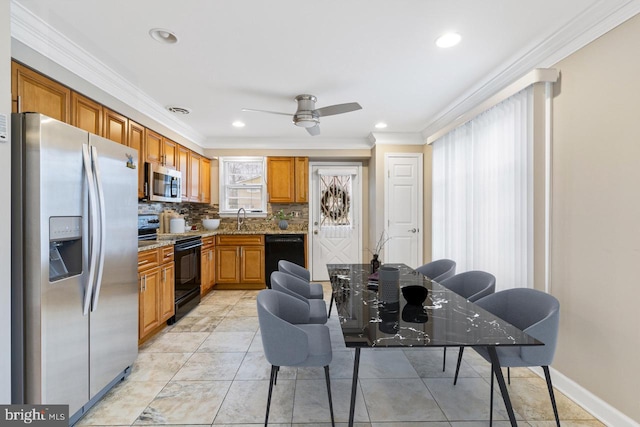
[289,340]
[315,289]
[298,288]
[471,285]
[536,313]
[438,270]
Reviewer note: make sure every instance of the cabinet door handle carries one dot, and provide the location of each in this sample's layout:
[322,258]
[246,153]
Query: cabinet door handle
[141,287]
[164,274]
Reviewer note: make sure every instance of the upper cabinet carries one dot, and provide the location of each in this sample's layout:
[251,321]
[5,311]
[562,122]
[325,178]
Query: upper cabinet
[86,114]
[287,179]
[302,180]
[205,180]
[34,92]
[153,147]
[169,153]
[184,157]
[135,140]
[115,127]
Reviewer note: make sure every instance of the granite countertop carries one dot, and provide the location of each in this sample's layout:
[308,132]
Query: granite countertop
[166,239]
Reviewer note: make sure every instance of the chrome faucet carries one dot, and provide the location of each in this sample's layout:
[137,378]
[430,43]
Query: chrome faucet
[244,216]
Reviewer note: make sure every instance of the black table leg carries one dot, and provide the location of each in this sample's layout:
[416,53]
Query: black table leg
[354,386]
[497,371]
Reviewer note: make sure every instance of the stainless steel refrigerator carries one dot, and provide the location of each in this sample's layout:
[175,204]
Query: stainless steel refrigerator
[74,258]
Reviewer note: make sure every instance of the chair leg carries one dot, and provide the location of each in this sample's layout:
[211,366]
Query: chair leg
[326,375]
[275,380]
[455,378]
[444,359]
[330,305]
[274,371]
[491,401]
[547,376]
[508,375]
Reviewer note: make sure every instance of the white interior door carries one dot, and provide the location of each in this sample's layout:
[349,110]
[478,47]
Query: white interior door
[335,216]
[403,209]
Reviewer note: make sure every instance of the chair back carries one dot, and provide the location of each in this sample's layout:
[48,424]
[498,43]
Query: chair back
[291,285]
[472,285]
[438,270]
[535,312]
[284,343]
[294,269]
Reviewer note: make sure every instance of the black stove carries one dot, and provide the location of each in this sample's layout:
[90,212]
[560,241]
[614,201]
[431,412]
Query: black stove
[148,225]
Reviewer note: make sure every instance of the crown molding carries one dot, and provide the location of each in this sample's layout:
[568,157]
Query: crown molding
[47,41]
[306,143]
[396,138]
[601,17]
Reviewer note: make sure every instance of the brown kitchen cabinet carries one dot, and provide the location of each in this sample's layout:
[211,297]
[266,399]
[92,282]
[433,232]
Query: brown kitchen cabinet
[239,261]
[208,271]
[193,192]
[152,147]
[136,141]
[31,91]
[156,290]
[86,114]
[184,155]
[301,179]
[115,126]
[287,179]
[205,180]
[169,153]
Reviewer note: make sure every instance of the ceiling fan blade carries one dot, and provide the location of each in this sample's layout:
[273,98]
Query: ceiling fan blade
[338,109]
[251,110]
[314,130]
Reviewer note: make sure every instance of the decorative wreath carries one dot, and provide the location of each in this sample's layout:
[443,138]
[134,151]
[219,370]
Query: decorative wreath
[335,202]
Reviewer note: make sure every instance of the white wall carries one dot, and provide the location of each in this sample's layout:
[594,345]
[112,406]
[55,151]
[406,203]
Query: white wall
[595,246]
[5,208]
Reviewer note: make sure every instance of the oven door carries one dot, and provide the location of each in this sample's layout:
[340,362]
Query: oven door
[187,277]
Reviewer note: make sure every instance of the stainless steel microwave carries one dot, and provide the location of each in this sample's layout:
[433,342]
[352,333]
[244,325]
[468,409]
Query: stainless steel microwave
[162,184]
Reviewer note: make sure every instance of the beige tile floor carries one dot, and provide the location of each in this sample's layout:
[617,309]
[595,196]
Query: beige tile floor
[209,369]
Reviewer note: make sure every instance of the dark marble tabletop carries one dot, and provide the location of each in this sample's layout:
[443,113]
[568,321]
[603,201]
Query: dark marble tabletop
[442,319]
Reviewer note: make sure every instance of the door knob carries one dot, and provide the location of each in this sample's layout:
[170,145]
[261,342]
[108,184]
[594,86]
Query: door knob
[413,230]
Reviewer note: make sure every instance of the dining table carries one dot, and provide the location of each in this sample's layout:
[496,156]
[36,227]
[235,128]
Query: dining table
[414,311]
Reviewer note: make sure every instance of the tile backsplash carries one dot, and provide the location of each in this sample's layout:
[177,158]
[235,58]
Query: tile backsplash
[195,212]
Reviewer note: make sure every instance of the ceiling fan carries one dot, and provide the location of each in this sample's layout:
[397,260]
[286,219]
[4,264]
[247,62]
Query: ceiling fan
[308,116]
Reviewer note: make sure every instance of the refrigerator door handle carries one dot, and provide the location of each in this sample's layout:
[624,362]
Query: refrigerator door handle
[86,160]
[103,226]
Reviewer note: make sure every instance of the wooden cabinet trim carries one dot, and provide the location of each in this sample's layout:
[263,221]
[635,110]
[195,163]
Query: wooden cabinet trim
[239,240]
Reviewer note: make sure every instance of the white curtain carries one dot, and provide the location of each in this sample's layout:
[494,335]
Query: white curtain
[483,193]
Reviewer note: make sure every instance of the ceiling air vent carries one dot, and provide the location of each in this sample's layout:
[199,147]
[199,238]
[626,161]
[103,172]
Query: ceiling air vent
[179,110]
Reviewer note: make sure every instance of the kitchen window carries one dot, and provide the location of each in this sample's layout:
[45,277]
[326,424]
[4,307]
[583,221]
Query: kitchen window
[243,185]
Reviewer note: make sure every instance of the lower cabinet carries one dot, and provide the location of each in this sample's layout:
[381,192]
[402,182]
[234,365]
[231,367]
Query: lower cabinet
[208,270]
[239,261]
[156,290]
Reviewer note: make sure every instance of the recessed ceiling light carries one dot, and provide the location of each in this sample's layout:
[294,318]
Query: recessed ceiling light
[179,110]
[238,124]
[381,125]
[163,36]
[448,40]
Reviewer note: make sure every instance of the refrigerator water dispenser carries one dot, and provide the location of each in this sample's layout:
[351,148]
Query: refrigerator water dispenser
[65,247]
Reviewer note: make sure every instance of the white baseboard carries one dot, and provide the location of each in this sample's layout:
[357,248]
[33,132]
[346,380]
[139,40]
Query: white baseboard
[591,403]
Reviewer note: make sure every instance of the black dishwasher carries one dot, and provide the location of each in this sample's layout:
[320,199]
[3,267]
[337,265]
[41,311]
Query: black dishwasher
[282,246]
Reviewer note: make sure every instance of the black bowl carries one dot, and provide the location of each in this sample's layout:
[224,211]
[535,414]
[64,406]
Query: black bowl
[415,295]
[414,314]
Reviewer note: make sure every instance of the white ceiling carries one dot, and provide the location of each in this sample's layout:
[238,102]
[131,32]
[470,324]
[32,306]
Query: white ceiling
[261,54]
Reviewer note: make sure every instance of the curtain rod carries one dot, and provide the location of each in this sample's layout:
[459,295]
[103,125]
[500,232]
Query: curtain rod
[538,75]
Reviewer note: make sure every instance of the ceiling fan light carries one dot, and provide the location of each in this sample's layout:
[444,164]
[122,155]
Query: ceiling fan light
[306,123]
[381,125]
